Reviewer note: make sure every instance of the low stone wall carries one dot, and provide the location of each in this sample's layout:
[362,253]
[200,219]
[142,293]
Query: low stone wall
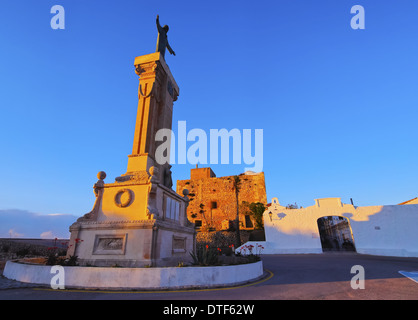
[136,278]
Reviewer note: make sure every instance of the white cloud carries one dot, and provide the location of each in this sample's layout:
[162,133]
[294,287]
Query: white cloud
[22,223]
[14,234]
[48,235]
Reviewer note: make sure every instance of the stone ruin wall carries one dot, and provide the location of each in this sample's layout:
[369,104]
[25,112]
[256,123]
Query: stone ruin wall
[204,191]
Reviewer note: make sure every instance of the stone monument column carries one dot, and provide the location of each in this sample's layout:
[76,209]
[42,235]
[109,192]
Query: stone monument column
[156,93]
[139,220]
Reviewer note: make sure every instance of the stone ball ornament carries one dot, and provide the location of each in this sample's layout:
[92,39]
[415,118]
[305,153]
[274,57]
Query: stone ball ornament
[101,175]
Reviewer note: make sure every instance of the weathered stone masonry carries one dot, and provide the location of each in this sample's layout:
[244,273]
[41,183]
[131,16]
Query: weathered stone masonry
[213,204]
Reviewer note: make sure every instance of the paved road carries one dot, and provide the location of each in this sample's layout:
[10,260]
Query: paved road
[307,277]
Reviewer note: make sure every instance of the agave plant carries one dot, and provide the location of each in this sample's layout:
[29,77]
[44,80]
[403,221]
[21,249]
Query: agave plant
[205,256]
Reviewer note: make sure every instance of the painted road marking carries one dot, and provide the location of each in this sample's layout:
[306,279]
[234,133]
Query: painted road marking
[270,275]
[413,275]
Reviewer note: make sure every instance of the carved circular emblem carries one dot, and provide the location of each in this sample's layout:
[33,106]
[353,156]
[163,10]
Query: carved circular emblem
[123,198]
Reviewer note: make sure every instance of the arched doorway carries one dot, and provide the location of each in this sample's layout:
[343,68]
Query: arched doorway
[335,233]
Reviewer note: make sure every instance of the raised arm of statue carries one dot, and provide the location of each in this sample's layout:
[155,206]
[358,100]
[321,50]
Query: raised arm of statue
[158,24]
[170,49]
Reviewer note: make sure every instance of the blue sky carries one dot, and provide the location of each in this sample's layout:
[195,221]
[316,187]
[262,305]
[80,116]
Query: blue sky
[338,106]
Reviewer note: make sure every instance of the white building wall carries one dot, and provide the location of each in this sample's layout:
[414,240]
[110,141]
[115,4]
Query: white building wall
[379,230]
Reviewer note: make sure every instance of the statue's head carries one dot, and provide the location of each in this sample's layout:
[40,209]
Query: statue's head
[165,28]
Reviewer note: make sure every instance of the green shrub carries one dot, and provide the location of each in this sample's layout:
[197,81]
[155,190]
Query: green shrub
[71,261]
[52,259]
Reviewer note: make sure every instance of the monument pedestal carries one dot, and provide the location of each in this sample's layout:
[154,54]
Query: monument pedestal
[139,220]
